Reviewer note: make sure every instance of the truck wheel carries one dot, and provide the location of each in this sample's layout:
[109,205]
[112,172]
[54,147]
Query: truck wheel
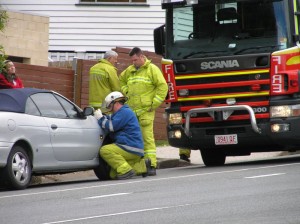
[213,157]
[17,172]
[102,171]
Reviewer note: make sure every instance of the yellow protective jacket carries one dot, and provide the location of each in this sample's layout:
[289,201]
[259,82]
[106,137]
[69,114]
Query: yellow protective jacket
[146,88]
[103,79]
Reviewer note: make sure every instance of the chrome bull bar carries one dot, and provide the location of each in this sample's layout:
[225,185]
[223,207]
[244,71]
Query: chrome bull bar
[224,108]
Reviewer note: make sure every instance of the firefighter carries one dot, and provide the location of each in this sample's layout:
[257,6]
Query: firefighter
[144,85]
[185,154]
[103,79]
[125,154]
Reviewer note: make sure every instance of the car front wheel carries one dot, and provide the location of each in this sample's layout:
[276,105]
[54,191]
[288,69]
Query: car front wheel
[18,169]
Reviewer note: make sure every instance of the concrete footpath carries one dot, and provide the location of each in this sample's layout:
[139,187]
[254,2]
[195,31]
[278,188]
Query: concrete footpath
[167,157]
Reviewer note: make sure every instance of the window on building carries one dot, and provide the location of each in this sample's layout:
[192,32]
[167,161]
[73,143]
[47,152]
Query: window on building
[62,57]
[53,57]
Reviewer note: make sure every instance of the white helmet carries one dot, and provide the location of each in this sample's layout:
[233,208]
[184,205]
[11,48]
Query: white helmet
[113,97]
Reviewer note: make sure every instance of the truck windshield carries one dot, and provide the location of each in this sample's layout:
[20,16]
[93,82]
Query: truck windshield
[228,27]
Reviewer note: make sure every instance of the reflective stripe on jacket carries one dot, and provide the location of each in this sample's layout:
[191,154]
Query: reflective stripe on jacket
[145,87]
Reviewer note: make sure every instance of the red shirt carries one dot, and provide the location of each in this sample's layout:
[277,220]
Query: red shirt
[5,84]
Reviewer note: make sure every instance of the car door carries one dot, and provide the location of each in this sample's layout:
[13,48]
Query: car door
[73,137]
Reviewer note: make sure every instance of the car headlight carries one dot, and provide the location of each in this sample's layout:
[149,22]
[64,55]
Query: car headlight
[285,111]
[175,118]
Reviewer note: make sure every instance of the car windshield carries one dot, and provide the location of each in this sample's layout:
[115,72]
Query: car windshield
[227,28]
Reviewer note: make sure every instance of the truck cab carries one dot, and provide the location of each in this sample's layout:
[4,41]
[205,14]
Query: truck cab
[232,67]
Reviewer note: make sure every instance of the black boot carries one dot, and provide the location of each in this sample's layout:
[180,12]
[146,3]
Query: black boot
[151,171]
[125,176]
[185,158]
[148,166]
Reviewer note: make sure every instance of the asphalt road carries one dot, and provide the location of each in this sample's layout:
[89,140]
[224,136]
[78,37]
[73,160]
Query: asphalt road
[262,191]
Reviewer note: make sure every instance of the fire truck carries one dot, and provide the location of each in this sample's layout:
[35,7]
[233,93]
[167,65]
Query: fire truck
[233,72]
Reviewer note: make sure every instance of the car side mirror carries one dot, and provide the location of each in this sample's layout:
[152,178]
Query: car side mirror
[87,111]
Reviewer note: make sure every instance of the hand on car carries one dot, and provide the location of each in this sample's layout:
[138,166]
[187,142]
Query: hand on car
[98,114]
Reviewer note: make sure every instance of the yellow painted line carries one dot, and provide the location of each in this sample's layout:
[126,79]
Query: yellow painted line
[221,74]
[292,50]
[166,61]
[296,17]
[223,96]
[293,60]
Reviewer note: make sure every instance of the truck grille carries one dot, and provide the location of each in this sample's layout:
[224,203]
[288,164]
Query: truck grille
[247,87]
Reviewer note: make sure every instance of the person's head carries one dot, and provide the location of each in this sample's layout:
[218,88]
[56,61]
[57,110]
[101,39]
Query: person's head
[137,57]
[111,56]
[9,67]
[114,101]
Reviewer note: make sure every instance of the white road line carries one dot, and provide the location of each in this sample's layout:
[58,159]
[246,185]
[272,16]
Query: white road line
[266,175]
[120,213]
[142,180]
[107,195]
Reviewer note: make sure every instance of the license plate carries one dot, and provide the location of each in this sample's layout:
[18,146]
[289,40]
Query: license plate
[226,139]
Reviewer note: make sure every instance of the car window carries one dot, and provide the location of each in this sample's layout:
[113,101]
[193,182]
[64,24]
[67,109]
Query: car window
[48,105]
[69,107]
[31,108]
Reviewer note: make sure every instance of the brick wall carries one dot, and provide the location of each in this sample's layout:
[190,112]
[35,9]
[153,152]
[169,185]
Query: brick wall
[57,79]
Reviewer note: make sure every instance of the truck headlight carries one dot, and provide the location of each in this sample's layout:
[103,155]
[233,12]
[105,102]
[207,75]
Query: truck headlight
[285,111]
[175,134]
[175,118]
[183,92]
[276,128]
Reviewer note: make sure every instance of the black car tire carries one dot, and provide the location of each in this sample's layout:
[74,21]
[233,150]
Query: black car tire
[103,170]
[18,169]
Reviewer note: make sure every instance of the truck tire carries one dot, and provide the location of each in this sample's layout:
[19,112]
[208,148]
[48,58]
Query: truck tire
[102,171]
[213,157]
[18,170]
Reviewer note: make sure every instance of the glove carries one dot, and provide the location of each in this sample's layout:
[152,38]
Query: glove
[98,114]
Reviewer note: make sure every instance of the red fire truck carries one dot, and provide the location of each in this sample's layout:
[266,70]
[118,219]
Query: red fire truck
[233,71]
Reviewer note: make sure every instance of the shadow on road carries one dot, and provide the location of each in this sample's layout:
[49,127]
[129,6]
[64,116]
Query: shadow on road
[265,161]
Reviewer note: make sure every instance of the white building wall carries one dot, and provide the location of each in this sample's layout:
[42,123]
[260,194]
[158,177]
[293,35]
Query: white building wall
[94,28]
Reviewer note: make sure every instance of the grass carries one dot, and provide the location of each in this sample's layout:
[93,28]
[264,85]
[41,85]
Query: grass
[159,143]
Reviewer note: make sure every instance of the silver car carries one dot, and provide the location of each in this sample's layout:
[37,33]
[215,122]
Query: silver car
[43,132]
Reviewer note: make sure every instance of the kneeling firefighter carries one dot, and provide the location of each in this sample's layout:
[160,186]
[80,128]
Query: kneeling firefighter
[125,154]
